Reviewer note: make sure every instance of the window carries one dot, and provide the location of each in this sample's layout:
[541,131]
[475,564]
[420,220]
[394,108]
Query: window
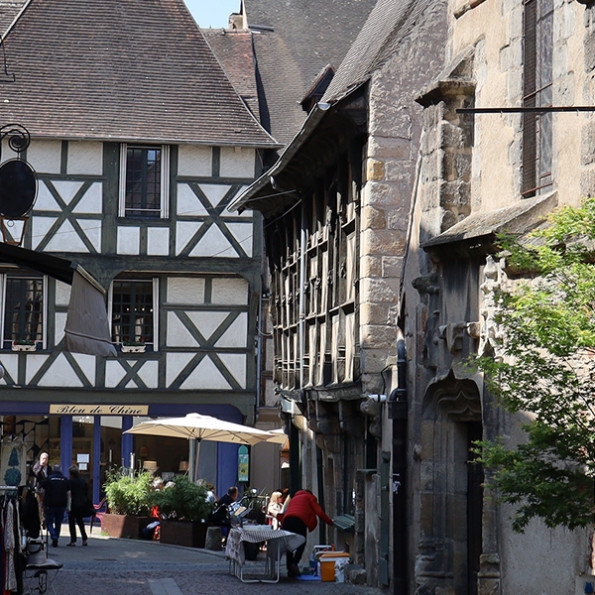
[144,181]
[23,308]
[537,92]
[132,311]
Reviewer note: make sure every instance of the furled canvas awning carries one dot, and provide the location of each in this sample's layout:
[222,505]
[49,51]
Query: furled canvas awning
[87,330]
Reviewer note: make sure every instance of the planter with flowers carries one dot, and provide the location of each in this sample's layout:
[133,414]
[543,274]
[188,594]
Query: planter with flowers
[184,511]
[24,345]
[133,346]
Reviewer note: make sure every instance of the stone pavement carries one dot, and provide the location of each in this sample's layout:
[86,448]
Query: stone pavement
[135,567]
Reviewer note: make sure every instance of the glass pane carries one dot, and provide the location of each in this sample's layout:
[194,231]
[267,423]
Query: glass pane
[23,312]
[143,182]
[132,311]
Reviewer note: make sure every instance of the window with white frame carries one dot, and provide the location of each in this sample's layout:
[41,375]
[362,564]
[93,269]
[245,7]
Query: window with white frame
[144,181]
[133,307]
[24,308]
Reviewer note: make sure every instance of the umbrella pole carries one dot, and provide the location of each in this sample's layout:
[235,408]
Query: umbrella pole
[194,451]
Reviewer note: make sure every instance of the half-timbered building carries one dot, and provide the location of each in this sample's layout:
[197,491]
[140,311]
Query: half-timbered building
[336,207]
[139,142]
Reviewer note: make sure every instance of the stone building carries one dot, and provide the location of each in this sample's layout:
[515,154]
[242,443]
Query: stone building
[483,172]
[335,208]
[279,56]
[139,142]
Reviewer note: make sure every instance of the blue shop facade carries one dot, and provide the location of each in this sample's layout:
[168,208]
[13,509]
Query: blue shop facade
[92,437]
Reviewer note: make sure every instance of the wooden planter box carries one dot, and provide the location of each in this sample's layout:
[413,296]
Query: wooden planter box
[120,525]
[183,533]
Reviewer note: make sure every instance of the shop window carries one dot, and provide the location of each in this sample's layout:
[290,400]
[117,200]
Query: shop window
[24,309]
[133,307]
[144,181]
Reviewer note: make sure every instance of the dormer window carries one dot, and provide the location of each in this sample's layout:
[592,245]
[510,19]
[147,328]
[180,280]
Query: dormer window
[144,181]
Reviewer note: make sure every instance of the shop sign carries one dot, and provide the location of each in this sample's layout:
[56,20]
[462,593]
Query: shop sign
[243,464]
[99,410]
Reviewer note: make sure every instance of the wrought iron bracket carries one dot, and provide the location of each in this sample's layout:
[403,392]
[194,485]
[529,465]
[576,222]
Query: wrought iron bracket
[18,137]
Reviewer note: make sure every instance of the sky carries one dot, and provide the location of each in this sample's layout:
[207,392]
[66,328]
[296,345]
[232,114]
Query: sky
[212,13]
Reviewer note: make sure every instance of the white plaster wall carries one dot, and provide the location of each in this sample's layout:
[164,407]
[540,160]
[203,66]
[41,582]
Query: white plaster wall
[237,162]
[10,363]
[85,158]
[194,161]
[128,240]
[115,373]
[185,291]
[91,201]
[62,293]
[230,291]
[43,155]
[205,375]
[188,204]
[60,373]
[65,238]
[157,241]
[60,325]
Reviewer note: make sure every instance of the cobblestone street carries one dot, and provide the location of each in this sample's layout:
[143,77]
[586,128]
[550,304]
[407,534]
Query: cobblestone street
[133,567]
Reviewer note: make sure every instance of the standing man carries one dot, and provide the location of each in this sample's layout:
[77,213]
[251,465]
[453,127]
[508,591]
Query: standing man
[300,517]
[57,493]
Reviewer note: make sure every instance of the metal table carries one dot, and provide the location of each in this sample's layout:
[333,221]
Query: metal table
[278,542]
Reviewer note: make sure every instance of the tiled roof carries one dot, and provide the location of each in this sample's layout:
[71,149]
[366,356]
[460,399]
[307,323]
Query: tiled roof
[9,9]
[121,70]
[388,23]
[307,35]
[234,51]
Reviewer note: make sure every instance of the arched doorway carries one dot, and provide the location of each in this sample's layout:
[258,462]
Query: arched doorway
[451,492]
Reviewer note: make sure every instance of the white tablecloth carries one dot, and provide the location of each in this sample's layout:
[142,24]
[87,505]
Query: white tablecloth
[278,541]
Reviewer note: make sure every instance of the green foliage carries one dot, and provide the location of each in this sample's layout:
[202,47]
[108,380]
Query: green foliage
[184,500]
[547,371]
[128,494]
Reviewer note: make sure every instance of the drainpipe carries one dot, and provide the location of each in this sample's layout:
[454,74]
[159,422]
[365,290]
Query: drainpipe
[398,413]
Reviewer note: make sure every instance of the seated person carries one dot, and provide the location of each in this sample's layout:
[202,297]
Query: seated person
[220,516]
[275,509]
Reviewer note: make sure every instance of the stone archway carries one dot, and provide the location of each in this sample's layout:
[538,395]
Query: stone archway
[451,490]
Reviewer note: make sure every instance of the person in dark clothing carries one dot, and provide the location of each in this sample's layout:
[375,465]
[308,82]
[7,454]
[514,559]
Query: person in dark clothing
[300,517]
[55,498]
[79,493]
[220,516]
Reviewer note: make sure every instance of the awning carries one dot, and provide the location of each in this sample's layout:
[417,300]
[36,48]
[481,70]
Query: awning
[87,329]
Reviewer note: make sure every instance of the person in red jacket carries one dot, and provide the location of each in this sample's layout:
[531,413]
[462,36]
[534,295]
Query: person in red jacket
[300,517]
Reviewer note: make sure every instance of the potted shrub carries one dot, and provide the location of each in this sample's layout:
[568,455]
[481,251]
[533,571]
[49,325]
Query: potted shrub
[128,503]
[184,510]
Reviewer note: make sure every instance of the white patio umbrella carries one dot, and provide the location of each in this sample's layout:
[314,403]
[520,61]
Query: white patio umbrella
[197,427]
[278,436]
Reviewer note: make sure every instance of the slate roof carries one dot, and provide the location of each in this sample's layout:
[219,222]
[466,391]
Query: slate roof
[135,70]
[9,9]
[518,218]
[387,25]
[234,51]
[307,35]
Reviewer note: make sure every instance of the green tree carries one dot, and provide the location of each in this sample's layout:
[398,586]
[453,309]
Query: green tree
[545,369]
